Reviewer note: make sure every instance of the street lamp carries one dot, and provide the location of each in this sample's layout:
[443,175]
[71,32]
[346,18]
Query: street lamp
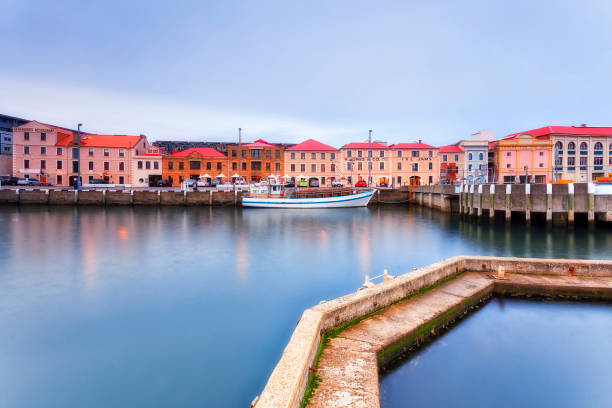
[78,183]
[239,155]
[370,158]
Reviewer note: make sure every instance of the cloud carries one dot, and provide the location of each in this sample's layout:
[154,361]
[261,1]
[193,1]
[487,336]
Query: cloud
[110,111]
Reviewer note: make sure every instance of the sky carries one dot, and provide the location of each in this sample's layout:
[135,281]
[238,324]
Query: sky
[285,71]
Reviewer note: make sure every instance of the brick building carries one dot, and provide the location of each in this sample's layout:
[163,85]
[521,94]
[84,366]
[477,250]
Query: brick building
[194,163]
[256,160]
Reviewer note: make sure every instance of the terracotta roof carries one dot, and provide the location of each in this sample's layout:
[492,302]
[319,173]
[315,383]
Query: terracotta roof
[203,151]
[568,130]
[259,143]
[312,145]
[88,140]
[364,145]
[412,146]
[450,149]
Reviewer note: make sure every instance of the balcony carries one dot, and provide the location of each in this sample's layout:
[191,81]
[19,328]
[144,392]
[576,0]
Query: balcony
[583,168]
[598,152]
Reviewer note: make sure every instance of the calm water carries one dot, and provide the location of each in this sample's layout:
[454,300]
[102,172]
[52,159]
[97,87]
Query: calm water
[193,307]
[512,353]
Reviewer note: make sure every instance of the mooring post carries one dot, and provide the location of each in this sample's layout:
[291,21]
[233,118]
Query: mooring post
[471,200]
[460,199]
[508,196]
[549,202]
[492,201]
[570,203]
[527,203]
[480,200]
[591,202]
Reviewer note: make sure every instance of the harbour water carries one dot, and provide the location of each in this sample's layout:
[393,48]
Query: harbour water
[191,307]
[512,353]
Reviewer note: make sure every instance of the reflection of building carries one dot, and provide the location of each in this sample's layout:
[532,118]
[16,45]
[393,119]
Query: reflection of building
[193,163]
[257,160]
[51,154]
[146,169]
[451,164]
[522,157]
[314,160]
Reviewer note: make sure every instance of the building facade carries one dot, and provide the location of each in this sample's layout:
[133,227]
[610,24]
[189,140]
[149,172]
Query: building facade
[146,169]
[523,158]
[414,164]
[313,159]
[359,160]
[452,161]
[256,160]
[195,163]
[7,123]
[51,154]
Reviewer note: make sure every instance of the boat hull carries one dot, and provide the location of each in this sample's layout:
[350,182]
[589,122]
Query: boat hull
[353,200]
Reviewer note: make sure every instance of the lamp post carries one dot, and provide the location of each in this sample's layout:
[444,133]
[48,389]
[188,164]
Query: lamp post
[79,156]
[370,158]
[239,155]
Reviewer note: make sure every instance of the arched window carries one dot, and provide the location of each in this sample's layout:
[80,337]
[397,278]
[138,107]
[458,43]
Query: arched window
[558,146]
[598,146]
[470,156]
[583,146]
[480,156]
[571,146]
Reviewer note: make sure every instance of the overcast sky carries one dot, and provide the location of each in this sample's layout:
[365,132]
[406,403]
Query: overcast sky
[290,70]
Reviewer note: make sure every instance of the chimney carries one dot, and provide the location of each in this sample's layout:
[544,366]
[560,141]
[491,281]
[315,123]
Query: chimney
[583,125]
[419,140]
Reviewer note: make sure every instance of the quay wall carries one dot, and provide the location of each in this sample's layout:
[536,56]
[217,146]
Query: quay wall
[558,202]
[287,383]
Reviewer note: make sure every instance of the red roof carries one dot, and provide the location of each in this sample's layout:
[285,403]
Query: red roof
[567,130]
[364,145]
[151,154]
[411,146]
[312,145]
[450,149]
[88,140]
[259,143]
[204,151]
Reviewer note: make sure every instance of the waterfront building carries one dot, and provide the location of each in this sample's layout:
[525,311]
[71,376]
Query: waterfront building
[7,123]
[414,163]
[256,160]
[452,160]
[313,159]
[358,159]
[475,167]
[194,163]
[51,154]
[146,169]
[523,157]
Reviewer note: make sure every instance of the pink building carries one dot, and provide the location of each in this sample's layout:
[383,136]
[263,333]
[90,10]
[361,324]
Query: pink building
[51,154]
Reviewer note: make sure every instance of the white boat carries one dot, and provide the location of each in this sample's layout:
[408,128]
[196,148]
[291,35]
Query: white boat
[274,196]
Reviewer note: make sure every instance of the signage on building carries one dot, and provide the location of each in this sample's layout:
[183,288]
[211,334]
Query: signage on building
[44,130]
[33,171]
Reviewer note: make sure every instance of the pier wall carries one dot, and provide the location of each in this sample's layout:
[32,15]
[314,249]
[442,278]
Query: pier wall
[549,202]
[288,382]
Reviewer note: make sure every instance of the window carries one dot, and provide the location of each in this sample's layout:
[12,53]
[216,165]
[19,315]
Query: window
[360,166]
[399,153]
[268,166]
[333,155]
[431,166]
[313,156]
[349,166]
[277,166]
[170,165]
[26,149]
[322,168]
[208,166]
[382,153]
[369,153]
[75,153]
[91,165]
[541,154]
[444,157]
[598,161]
[480,156]
[399,180]
[277,155]
[302,168]
[75,166]
[244,166]
[583,148]
[219,166]
[399,165]
[333,167]
[193,165]
[26,136]
[91,151]
[382,165]
[293,167]
[559,147]
[43,136]
[256,153]
[583,162]
[430,179]
[571,146]
[359,153]
[571,161]
[234,166]
[106,152]
[470,157]
[313,168]
[508,154]
[415,153]
[156,165]
[139,165]
[90,179]
[122,167]
[268,154]
[508,165]
[598,146]
[256,165]
[106,166]
[430,155]
[415,167]
[322,156]
[58,151]
[59,179]
[292,156]
[121,154]
[541,164]
[348,153]
[456,157]
[302,156]
[243,153]
[121,180]
[234,152]
[43,164]
[58,165]
[469,167]
[181,165]
[322,181]
[148,165]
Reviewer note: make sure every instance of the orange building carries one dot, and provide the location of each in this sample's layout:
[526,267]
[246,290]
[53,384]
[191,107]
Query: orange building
[192,164]
[257,160]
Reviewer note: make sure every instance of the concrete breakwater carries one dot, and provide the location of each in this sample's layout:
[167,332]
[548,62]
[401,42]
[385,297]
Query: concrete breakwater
[563,203]
[156,197]
[338,346]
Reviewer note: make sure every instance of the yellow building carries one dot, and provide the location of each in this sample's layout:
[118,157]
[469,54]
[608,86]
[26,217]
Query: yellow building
[313,159]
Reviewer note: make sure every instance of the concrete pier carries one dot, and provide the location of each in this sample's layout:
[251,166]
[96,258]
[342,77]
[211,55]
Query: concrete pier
[341,344]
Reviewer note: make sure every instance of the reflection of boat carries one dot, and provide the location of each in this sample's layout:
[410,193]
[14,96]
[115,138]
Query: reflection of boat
[277,196]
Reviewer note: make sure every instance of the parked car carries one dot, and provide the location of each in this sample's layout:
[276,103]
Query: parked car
[215,182]
[361,183]
[302,183]
[162,183]
[290,183]
[35,182]
[98,181]
[23,181]
[337,183]
[313,182]
[8,181]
